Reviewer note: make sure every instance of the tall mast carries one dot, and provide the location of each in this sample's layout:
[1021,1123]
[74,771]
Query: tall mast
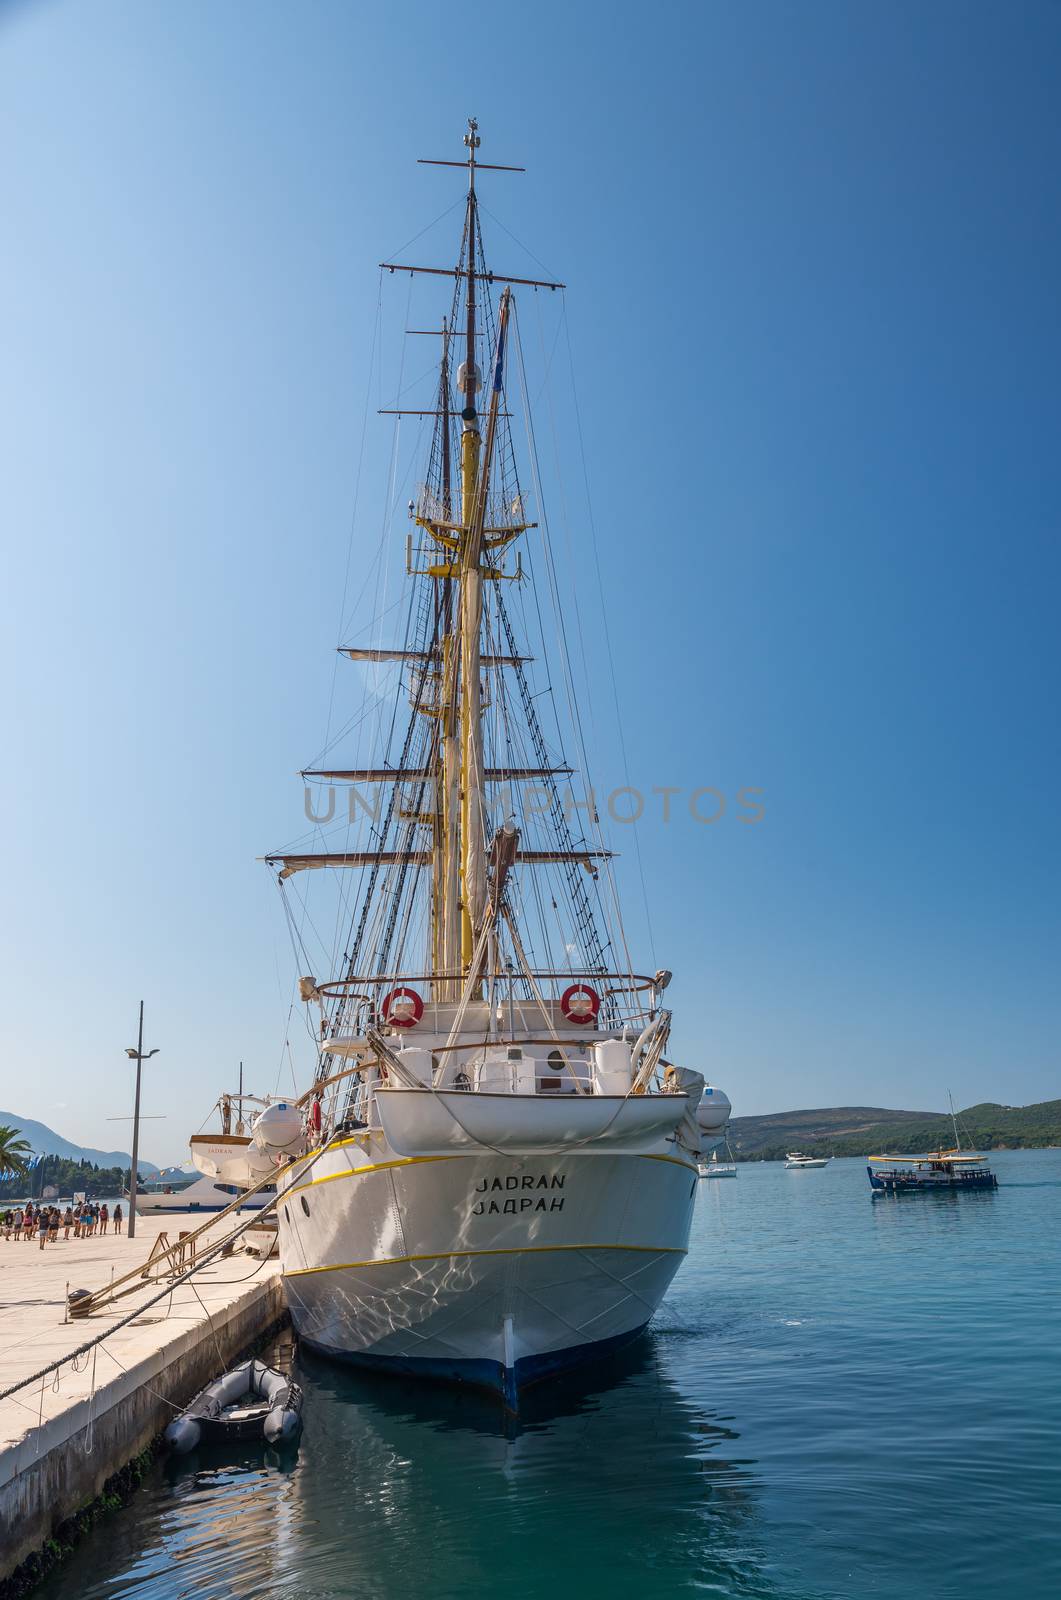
[444,624]
[473,845]
[447,886]
[454,762]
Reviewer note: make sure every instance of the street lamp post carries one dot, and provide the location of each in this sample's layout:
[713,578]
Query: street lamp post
[139,1057]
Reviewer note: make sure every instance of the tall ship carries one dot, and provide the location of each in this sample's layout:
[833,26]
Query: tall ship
[491,1177]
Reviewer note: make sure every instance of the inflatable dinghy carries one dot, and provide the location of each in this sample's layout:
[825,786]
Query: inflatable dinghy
[250,1402]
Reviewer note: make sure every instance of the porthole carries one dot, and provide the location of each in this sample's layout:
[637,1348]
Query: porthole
[305,1204]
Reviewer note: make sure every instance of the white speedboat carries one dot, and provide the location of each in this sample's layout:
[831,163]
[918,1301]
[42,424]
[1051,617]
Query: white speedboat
[796,1162]
[202,1194]
[500,1165]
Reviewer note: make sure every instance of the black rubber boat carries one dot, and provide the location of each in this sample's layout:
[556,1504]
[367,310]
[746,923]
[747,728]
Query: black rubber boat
[250,1402]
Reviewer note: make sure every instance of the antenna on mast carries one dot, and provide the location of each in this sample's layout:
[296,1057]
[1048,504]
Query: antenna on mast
[473,141]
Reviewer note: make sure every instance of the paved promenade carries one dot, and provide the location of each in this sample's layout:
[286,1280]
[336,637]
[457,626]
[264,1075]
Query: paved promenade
[98,1417]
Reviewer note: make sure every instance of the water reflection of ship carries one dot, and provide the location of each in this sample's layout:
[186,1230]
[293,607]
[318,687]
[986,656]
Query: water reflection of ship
[500,1500]
[399,1487]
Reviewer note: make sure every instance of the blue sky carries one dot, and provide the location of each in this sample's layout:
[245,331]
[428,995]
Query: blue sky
[813,254]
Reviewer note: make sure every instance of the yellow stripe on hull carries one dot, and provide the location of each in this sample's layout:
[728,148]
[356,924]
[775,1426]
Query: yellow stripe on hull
[454,1255]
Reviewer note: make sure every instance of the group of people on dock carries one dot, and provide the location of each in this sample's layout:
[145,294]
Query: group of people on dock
[44,1222]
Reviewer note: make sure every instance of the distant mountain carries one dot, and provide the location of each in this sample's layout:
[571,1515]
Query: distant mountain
[872,1130]
[45,1141]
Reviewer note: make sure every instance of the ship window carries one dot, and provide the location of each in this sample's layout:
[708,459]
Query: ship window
[305,1204]
[560,1083]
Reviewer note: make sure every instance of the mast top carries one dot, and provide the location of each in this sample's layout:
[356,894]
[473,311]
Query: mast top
[472,141]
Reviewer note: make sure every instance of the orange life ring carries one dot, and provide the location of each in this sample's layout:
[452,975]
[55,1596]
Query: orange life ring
[580,1003]
[410,1005]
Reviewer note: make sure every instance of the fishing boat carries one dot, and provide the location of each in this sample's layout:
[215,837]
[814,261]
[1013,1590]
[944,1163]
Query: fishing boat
[937,1169]
[795,1161]
[500,1161]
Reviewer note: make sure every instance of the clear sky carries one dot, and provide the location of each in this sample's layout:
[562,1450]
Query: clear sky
[813,253]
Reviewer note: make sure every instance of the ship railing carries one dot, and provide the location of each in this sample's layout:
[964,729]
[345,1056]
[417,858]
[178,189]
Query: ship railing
[504,513]
[623,1000]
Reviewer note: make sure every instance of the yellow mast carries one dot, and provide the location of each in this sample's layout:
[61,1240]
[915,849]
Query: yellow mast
[473,817]
[460,859]
[445,761]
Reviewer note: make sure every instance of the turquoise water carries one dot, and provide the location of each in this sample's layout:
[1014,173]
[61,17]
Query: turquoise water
[842,1396]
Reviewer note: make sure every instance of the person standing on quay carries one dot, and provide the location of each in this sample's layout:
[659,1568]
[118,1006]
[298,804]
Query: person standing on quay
[42,1226]
[68,1218]
[117,1219]
[104,1217]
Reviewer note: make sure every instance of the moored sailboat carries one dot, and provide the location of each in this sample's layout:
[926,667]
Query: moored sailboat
[500,1162]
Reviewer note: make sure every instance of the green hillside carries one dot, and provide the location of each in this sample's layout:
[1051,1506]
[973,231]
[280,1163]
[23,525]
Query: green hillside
[872,1130]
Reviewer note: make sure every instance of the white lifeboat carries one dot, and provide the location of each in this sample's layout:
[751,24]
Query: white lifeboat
[422,1122]
[229,1158]
[714,1109]
[279,1130]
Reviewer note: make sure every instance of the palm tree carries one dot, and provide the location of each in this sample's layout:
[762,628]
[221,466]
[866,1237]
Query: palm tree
[13,1153]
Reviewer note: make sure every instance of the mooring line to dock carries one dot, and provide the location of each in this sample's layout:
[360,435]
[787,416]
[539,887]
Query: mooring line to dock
[176,1283]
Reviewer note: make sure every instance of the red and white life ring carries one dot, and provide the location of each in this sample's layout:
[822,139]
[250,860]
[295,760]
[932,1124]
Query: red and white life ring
[580,1003]
[402,1008]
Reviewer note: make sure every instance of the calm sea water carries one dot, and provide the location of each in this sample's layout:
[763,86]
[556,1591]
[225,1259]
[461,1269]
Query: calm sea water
[841,1396]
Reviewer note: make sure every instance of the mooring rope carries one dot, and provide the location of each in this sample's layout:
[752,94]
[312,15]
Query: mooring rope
[208,1256]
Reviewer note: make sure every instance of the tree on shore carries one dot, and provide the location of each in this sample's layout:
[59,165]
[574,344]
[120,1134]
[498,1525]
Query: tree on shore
[13,1152]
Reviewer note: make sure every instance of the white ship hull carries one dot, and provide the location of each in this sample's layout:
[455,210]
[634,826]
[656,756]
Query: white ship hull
[489,1269]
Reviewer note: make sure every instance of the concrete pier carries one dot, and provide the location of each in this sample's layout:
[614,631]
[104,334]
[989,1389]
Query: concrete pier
[61,1440]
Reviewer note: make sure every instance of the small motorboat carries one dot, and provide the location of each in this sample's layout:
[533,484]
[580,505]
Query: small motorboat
[249,1402]
[936,1170]
[795,1161]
